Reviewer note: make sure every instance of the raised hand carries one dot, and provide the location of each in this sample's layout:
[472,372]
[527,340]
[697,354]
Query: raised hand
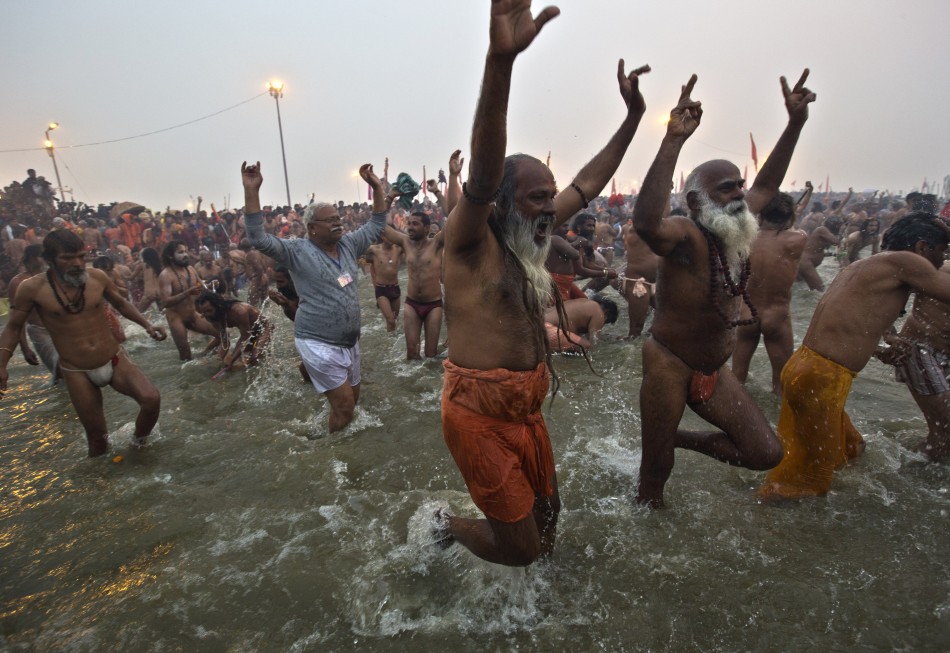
[366,172]
[808,185]
[685,116]
[251,176]
[432,186]
[797,99]
[513,28]
[455,163]
[630,88]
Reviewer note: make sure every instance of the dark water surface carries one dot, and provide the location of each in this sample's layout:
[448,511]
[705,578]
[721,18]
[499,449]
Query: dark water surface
[243,528]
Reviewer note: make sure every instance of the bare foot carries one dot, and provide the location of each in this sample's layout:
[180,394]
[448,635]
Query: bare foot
[441,536]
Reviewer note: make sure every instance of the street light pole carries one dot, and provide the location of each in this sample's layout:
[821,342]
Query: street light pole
[276,89]
[49,148]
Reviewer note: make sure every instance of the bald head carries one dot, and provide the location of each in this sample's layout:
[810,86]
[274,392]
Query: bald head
[718,179]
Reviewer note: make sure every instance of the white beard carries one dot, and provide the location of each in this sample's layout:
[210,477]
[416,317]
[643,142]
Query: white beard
[733,224]
[75,280]
[518,235]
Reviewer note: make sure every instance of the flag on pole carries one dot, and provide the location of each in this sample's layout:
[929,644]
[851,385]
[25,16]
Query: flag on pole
[613,186]
[682,182]
[425,193]
[745,174]
[548,164]
[386,170]
[794,183]
[827,183]
[755,155]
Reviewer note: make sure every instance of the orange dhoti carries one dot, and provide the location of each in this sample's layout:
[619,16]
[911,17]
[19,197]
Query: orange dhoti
[566,287]
[816,433]
[492,424]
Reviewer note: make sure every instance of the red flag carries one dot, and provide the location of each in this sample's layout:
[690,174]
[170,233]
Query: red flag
[548,164]
[425,193]
[613,186]
[745,175]
[682,183]
[386,170]
[794,184]
[821,187]
[755,155]
[827,183]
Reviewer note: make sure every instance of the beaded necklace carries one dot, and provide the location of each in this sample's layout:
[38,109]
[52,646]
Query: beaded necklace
[180,282]
[719,276]
[72,307]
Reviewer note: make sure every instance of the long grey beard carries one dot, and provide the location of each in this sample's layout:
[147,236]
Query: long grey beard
[74,279]
[733,224]
[518,234]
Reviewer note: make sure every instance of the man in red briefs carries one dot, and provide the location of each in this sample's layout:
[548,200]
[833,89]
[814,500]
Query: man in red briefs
[496,375]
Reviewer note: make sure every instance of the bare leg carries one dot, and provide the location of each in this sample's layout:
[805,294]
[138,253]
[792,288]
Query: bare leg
[179,335]
[809,275]
[638,307]
[87,400]
[433,327]
[662,401]
[745,438]
[129,379]
[936,410]
[412,325]
[385,307]
[342,404]
[747,339]
[777,333]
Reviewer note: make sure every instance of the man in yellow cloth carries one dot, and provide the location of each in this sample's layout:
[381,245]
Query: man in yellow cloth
[857,309]
[496,290]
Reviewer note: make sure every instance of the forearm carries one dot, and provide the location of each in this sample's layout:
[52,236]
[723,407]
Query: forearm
[25,348]
[8,343]
[440,198]
[655,193]
[773,170]
[252,201]
[128,311]
[490,130]
[593,177]
[454,192]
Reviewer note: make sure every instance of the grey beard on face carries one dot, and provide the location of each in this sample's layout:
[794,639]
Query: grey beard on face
[733,224]
[75,279]
[518,234]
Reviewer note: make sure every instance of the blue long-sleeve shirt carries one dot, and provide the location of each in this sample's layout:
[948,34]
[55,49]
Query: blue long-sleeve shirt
[328,311]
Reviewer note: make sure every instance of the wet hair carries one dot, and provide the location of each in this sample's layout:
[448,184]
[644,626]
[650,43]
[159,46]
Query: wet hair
[914,227]
[104,263]
[867,223]
[817,207]
[423,217]
[61,241]
[168,252]
[150,258]
[218,302]
[779,210]
[608,306]
[32,253]
[580,219]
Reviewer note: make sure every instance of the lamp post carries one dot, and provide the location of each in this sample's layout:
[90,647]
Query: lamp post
[276,89]
[49,148]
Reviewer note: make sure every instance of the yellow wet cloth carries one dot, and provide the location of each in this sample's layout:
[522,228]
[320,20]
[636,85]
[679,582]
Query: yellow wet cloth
[816,434]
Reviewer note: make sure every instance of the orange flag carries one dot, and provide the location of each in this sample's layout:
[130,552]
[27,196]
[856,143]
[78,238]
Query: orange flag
[755,155]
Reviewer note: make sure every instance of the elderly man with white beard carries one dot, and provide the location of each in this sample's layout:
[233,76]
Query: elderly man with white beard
[496,289]
[703,273]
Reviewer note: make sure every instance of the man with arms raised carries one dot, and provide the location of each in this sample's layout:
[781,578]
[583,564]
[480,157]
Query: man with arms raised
[702,279]
[324,271]
[858,308]
[69,300]
[496,375]
[424,292]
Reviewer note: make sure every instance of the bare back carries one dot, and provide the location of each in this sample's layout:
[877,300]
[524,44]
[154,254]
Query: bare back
[641,261]
[929,321]
[818,240]
[775,256]
[863,301]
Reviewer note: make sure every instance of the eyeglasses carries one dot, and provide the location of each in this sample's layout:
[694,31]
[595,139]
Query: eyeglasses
[327,220]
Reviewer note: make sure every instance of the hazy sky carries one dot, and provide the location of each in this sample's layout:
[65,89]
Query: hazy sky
[366,79]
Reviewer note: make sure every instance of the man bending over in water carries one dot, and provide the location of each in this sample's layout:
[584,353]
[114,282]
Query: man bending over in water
[69,300]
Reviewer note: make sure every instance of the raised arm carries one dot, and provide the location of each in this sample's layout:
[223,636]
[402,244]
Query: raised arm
[512,29]
[114,296]
[841,206]
[433,187]
[773,171]
[253,220]
[592,178]
[802,203]
[654,198]
[454,191]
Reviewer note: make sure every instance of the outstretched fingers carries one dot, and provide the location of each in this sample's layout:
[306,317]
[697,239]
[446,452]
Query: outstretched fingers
[687,89]
[546,14]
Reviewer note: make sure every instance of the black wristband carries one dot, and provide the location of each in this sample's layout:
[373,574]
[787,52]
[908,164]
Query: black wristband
[581,193]
[478,200]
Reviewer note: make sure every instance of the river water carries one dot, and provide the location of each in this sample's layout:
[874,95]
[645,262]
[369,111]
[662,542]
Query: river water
[242,527]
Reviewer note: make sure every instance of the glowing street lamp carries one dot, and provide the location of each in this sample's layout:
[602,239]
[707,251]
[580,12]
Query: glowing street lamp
[48,144]
[276,89]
